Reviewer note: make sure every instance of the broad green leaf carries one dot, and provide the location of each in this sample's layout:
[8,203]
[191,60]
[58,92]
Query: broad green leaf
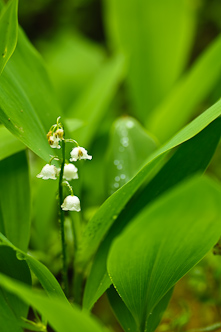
[17,269]
[180,104]
[9,144]
[12,308]
[7,320]
[61,316]
[98,280]
[9,32]
[101,222]
[192,156]
[120,310]
[45,277]
[129,147]
[169,238]
[28,106]
[156,36]
[158,311]
[93,102]
[15,199]
[125,317]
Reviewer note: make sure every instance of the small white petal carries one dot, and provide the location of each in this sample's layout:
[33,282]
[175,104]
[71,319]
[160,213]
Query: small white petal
[79,153]
[48,172]
[70,172]
[54,142]
[71,203]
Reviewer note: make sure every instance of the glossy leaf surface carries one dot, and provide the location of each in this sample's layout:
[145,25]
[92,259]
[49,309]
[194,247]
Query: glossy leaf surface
[9,144]
[28,106]
[109,211]
[163,243]
[9,31]
[125,317]
[130,145]
[61,316]
[12,307]
[15,199]
[192,156]
[45,277]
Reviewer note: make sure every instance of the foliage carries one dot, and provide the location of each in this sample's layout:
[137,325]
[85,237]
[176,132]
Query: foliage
[149,113]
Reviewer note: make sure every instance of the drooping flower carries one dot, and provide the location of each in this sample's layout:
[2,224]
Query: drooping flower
[70,172]
[71,203]
[79,153]
[48,172]
[54,141]
[59,133]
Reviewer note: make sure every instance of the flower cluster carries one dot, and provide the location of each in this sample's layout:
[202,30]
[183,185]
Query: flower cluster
[70,172]
[55,135]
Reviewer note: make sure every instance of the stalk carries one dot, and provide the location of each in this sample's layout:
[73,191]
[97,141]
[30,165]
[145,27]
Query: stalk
[61,218]
[78,273]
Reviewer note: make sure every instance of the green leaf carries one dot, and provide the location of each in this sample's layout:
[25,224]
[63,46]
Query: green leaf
[129,147]
[9,32]
[158,311]
[93,103]
[28,106]
[15,199]
[9,144]
[7,320]
[17,269]
[120,310]
[156,37]
[61,316]
[12,308]
[126,319]
[169,238]
[45,277]
[191,156]
[101,222]
[98,280]
[180,104]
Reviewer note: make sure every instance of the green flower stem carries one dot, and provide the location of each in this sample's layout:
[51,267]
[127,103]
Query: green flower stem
[78,273]
[67,184]
[64,256]
[70,140]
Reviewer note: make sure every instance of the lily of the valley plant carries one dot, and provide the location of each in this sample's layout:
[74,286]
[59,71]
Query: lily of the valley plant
[66,172]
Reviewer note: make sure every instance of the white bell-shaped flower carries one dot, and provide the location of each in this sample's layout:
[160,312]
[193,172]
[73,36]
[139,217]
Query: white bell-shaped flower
[71,203]
[70,172]
[54,141]
[48,172]
[79,153]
